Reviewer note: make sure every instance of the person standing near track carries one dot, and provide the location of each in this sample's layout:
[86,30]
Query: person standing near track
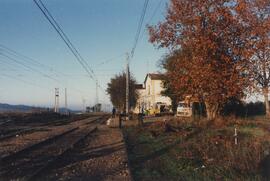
[113,112]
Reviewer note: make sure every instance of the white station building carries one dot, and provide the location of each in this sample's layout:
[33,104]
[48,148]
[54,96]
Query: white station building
[150,93]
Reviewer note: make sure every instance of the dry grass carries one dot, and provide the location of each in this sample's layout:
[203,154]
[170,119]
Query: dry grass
[199,150]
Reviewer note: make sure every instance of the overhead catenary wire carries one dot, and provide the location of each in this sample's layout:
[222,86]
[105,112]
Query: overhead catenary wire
[64,34]
[29,68]
[27,59]
[152,17]
[111,59]
[139,28]
[12,67]
[21,80]
[34,84]
[130,56]
[21,57]
[67,41]
[4,49]
[64,37]
[17,78]
[155,11]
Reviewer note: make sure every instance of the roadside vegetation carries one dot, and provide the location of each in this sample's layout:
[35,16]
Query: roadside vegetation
[181,149]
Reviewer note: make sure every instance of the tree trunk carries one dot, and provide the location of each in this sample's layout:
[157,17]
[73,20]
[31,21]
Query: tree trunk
[211,111]
[266,100]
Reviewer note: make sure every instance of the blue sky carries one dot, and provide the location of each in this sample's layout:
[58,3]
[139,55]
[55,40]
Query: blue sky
[102,30]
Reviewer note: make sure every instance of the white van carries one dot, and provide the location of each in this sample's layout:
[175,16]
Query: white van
[184,109]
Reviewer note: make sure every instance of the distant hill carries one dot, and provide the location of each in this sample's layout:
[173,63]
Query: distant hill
[18,108]
[24,108]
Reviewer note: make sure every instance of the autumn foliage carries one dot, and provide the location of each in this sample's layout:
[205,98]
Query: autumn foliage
[256,16]
[210,50]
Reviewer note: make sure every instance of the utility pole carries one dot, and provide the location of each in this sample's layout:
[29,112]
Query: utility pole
[127,85]
[56,101]
[96,91]
[83,101]
[66,101]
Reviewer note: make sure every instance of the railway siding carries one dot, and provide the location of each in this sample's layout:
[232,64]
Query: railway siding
[32,160]
[16,142]
[87,150]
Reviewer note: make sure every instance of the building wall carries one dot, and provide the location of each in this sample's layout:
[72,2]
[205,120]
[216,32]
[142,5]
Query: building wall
[149,96]
[150,91]
[158,96]
[140,101]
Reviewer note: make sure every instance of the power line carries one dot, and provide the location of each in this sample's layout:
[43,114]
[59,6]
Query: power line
[152,16]
[155,11]
[111,59]
[67,41]
[38,64]
[21,80]
[31,61]
[64,37]
[29,67]
[139,27]
[28,59]
[132,53]
[72,45]
[25,64]
[10,65]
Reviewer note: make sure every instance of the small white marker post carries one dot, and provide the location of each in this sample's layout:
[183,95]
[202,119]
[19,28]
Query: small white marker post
[235,136]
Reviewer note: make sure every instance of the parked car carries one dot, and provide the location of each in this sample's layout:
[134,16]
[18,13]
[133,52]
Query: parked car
[184,109]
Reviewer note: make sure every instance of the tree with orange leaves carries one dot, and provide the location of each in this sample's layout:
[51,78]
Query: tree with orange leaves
[209,59]
[255,14]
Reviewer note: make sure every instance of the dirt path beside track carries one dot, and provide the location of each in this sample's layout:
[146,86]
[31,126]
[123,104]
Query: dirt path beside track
[102,156]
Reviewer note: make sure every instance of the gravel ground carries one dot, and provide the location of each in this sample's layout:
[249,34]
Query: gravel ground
[102,156]
[24,165]
[19,142]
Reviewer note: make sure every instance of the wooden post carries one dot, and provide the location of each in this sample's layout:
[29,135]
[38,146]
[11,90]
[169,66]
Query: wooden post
[235,136]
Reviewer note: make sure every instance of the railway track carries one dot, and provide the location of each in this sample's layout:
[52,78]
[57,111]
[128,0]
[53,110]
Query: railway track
[4,122]
[19,132]
[29,163]
[46,141]
[24,131]
[36,146]
[47,167]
